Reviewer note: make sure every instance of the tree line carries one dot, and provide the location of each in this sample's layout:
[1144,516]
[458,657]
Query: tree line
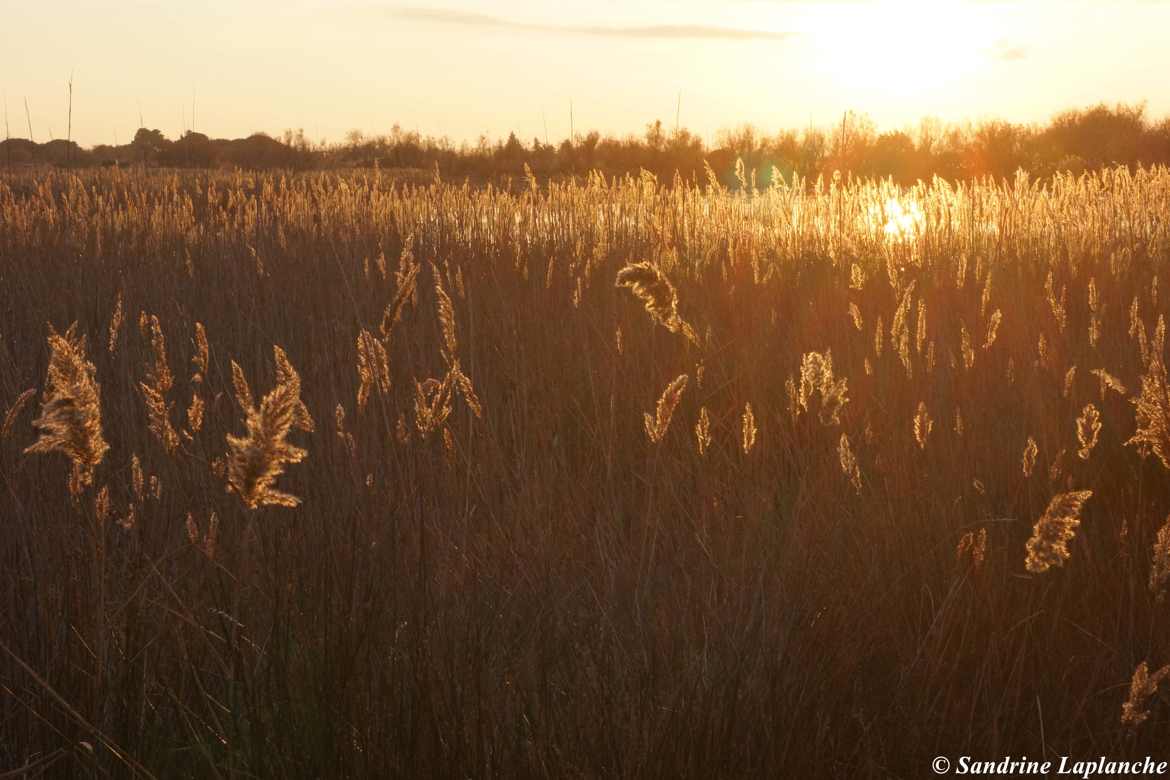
[1076,140]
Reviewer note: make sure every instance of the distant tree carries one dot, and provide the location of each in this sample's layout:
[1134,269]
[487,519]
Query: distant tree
[655,136]
[510,156]
[258,151]
[743,141]
[192,150]
[1156,145]
[1097,136]
[18,150]
[149,143]
[814,150]
[684,153]
[62,152]
[580,154]
[850,142]
[1075,140]
[996,149]
[893,154]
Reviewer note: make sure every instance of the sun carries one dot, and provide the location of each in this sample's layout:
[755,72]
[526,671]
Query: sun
[903,50]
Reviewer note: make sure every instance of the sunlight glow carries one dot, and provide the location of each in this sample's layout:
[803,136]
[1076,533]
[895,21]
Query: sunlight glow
[902,220]
[905,50]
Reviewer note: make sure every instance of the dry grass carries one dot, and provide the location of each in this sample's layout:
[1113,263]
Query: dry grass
[71,413]
[541,572]
[256,460]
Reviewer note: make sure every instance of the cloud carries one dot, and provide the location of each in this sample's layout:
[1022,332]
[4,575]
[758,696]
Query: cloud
[655,31]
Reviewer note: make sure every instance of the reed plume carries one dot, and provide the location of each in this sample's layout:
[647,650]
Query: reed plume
[1048,546]
[1095,313]
[373,366]
[748,429]
[115,324]
[657,426]
[849,465]
[972,546]
[923,425]
[158,383]
[1160,562]
[101,505]
[817,380]
[1057,303]
[257,459]
[920,331]
[71,416]
[200,361]
[432,403]
[192,529]
[1142,687]
[1088,430]
[406,288]
[240,384]
[446,320]
[650,285]
[14,411]
[137,478]
[993,329]
[202,357]
[345,436]
[1152,412]
[966,349]
[1028,461]
[856,277]
[855,316]
[1070,377]
[703,431]
[900,328]
[205,543]
[1056,467]
[195,414]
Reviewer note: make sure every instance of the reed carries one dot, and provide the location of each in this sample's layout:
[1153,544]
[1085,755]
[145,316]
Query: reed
[257,459]
[886,391]
[71,416]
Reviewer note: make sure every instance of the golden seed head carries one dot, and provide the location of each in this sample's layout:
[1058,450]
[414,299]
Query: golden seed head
[71,417]
[1048,546]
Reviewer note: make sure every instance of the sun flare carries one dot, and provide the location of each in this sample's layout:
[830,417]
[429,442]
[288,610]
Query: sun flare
[905,50]
[902,219]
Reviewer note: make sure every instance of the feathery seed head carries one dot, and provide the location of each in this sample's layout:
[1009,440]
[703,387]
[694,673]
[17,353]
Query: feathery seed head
[1048,546]
[657,426]
[71,417]
[258,458]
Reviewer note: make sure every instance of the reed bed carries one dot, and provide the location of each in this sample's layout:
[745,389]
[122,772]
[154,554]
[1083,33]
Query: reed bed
[622,479]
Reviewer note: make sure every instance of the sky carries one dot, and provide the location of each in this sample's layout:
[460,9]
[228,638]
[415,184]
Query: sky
[466,68]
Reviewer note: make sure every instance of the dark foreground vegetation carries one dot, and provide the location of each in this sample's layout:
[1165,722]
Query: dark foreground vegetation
[316,475]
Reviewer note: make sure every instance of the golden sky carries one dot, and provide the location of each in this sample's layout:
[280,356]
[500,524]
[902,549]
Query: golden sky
[462,68]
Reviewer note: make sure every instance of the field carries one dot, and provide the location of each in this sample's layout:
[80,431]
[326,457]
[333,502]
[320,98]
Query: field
[321,475]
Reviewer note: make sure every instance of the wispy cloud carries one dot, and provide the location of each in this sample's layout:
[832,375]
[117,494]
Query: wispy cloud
[660,31]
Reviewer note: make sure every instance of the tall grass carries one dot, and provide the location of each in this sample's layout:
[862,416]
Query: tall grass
[818,560]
